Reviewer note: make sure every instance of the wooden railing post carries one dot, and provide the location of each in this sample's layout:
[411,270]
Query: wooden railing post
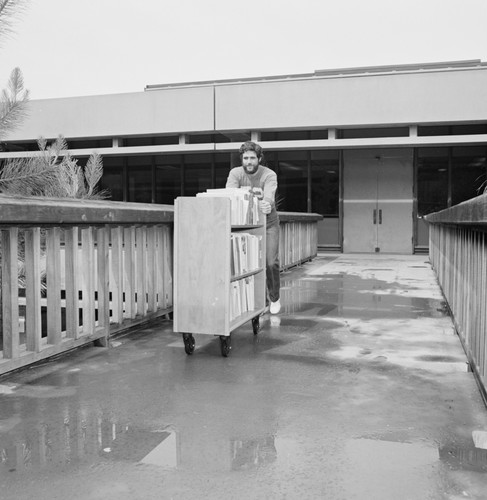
[10,293]
[116,286]
[72,282]
[129,270]
[53,285]
[141,253]
[103,289]
[33,319]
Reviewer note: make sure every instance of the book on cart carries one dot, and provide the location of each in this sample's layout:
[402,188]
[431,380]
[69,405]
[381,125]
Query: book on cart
[246,252]
[244,204]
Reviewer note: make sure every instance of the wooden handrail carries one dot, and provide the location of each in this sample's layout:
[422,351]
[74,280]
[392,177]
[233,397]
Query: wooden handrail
[458,254]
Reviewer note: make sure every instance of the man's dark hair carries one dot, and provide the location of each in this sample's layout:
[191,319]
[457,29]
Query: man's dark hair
[251,146]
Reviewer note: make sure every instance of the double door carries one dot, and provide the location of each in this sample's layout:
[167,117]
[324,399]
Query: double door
[378,201]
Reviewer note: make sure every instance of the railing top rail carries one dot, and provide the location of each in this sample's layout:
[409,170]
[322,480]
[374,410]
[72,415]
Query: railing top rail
[63,211]
[471,212]
[299,217]
[24,211]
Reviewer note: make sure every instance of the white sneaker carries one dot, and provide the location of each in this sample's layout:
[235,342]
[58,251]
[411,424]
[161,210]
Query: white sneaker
[275,306]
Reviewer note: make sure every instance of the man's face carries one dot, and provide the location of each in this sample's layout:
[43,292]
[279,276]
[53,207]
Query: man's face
[250,162]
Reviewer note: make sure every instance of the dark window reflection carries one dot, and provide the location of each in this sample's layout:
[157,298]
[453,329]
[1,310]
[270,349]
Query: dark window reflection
[292,175]
[468,173]
[432,180]
[197,173]
[168,178]
[222,168]
[356,133]
[139,173]
[112,179]
[325,182]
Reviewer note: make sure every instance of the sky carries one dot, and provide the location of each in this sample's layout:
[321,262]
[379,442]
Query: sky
[71,48]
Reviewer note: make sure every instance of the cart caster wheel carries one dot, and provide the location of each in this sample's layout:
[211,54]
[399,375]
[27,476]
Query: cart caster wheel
[256,325]
[225,345]
[189,343]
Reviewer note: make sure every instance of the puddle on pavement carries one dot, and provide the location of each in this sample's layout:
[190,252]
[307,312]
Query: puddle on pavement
[466,457]
[252,453]
[441,359]
[71,442]
[66,442]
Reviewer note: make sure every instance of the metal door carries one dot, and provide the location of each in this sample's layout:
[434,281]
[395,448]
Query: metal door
[378,201]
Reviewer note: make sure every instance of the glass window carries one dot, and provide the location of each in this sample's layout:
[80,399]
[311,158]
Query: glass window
[200,138]
[469,129]
[168,178]
[137,141]
[112,179]
[468,172]
[432,180]
[465,129]
[197,173]
[365,133]
[325,182]
[285,135]
[318,134]
[151,140]
[139,174]
[430,130]
[18,146]
[293,135]
[232,137]
[222,168]
[89,144]
[292,176]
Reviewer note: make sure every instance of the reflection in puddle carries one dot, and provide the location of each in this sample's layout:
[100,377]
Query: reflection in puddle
[480,439]
[72,441]
[253,453]
[165,454]
[91,439]
[464,458]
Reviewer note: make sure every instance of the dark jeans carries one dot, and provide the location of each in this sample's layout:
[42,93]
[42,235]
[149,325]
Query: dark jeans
[272,261]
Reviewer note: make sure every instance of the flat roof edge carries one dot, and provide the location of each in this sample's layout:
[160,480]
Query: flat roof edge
[353,71]
[469,63]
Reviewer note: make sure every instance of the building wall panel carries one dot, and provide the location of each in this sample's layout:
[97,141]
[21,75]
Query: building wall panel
[166,111]
[372,100]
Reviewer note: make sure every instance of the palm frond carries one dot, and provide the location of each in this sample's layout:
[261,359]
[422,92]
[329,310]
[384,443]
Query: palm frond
[10,10]
[26,177]
[69,174]
[13,102]
[93,173]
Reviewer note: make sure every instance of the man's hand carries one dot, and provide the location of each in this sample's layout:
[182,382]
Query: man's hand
[265,206]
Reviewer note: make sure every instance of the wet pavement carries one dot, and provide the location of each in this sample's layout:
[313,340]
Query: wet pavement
[358,389]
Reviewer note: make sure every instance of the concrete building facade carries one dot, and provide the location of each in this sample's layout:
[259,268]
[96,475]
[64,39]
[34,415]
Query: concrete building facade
[371,149]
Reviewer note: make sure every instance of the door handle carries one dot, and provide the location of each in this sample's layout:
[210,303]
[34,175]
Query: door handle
[380,215]
[374,216]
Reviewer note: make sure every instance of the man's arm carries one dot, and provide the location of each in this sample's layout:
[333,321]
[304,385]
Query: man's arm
[270,187]
[232,180]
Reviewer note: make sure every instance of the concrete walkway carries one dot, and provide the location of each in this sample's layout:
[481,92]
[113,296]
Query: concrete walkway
[358,389]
